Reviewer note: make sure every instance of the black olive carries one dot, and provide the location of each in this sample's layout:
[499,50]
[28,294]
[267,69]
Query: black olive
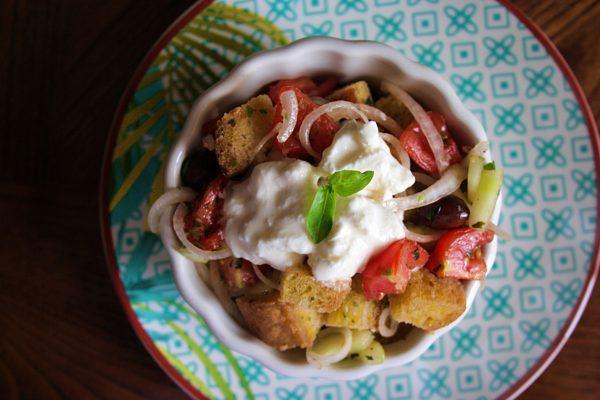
[199,169]
[447,213]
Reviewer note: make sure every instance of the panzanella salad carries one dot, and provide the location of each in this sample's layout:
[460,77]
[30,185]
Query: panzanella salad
[326,221]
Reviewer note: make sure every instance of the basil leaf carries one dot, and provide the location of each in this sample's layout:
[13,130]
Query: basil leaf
[319,219]
[347,182]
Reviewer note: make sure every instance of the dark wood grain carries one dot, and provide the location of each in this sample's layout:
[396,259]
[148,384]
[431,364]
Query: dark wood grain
[63,67]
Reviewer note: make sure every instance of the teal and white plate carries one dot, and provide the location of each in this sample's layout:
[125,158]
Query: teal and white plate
[540,128]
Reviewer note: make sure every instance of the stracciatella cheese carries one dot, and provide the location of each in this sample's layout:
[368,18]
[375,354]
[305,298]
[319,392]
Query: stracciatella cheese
[360,147]
[362,228]
[266,213]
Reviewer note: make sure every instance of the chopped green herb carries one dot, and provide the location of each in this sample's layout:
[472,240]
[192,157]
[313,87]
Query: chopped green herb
[479,225]
[249,111]
[490,166]
[370,358]
[416,254]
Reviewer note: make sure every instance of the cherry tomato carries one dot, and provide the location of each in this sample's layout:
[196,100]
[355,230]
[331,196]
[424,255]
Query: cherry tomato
[303,84]
[457,254]
[417,147]
[203,224]
[389,271]
[321,132]
[237,273]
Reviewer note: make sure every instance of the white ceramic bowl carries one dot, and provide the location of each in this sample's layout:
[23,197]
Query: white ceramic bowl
[308,57]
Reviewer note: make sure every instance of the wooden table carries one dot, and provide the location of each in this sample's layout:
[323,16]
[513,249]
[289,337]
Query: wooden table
[63,66]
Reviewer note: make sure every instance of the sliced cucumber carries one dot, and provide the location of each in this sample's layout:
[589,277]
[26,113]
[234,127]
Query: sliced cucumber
[485,198]
[476,164]
[374,354]
[361,339]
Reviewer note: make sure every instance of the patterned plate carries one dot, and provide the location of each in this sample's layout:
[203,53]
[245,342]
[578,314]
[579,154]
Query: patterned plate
[541,131]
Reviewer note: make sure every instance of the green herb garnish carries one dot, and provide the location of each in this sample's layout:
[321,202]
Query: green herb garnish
[346,183]
[319,219]
[249,111]
[479,225]
[490,166]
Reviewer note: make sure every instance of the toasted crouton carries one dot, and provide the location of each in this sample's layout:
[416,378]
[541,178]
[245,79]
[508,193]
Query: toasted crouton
[239,131]
[429,302]
[299,287]
[281,325]
[356,312]
[396,110]
[357,92]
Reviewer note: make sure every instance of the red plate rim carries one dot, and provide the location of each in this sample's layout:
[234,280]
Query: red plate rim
[512,392]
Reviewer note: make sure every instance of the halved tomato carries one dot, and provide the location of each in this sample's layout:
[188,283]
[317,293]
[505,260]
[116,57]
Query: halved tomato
[457,254]
[417,147]
[304,84]
[389,271]
[203,224]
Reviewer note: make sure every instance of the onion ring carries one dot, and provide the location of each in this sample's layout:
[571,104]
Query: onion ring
[428,128]
[350,110]
[422,238]
[400,152]
[289,108]
[168,198]
[178,226]
[446,185]
[263,278]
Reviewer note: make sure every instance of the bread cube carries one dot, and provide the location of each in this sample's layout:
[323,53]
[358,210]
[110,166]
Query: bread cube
[239,131]
[429,302]
[278,324]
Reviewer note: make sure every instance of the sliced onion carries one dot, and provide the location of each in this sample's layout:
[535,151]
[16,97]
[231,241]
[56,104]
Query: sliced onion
[168,198]
[446,185]
[179,227]
[375,114]
[422,238]
[342,108]
[289,107]
[266,138]
[263,278]
[321,360]
[479,149]
[221,292]
[397,146]
[502,234]
[318,100]
[427,126]
[423,178]
[386,325]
